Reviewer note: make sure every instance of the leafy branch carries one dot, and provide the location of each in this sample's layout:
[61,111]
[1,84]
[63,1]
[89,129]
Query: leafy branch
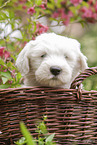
[5,4]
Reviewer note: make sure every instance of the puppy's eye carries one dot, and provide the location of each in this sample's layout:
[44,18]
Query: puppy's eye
[66,56]
[44,55]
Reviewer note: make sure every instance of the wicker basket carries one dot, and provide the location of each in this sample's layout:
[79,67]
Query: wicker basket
[72,113]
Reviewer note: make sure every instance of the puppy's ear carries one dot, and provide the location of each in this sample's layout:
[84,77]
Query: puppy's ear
[22,62]
[82,62]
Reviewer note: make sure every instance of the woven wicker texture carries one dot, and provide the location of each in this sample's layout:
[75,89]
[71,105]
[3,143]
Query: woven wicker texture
[71,113]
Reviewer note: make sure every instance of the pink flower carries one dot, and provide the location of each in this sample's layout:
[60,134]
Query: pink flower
[6,54]
[75,2]
[62,13]
[90,2]
[22,1]
[41,28]
[5,70]
[70,14]
[63,3]
[24,7]
[95,16]
[10,82]
[42,6]
[87,12]
[65,16]
[66,20]
[55,15]
[2,51]
[31,11]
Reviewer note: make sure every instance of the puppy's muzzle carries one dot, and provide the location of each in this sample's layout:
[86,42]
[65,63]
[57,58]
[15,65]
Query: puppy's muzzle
[55,70]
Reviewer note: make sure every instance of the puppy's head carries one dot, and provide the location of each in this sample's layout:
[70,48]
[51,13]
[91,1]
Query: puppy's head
[51,60]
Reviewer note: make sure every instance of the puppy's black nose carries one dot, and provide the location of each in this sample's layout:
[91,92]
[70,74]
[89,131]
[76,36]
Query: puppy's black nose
[55,70]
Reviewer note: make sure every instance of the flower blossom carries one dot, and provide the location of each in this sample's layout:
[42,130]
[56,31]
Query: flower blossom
[42,6]
[63,15]
[89,14]
[31,11]
[90,2]
[3,53]
[41,28]
[24,7]
[55,15]
[22,1]
[75,2]
[6,54]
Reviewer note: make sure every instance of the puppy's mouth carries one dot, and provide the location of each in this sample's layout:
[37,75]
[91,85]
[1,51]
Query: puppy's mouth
[54,78]
[57,80]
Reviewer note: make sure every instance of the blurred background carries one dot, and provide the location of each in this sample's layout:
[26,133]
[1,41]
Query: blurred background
[89,48]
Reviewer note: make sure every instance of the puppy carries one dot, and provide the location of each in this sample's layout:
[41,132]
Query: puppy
[51,60]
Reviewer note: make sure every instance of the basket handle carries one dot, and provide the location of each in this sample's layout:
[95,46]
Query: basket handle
[82,76]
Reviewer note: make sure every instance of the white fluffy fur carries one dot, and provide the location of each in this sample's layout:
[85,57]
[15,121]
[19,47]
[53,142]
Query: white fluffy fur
[48,50]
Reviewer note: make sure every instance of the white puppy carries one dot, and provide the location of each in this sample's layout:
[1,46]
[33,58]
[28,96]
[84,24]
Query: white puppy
[51,60]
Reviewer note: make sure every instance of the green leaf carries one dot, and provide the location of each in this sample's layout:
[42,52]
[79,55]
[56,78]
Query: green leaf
[4,86]
[85,4]
[59,3]
[43,128]
[6,74]
[11,14]
[52,1]
[50,138]
[4,4]
[38,2]
[50,6]
[21,141]
[18,76]
[26,134]
[2,62]
[44,117]
[11,65]
[34,26]
[3,16]
[72,9]
[40,141]
[4,79]
[30,1]
[13,57]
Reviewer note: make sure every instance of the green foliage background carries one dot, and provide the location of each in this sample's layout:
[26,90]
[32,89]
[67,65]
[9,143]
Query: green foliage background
[89,48]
